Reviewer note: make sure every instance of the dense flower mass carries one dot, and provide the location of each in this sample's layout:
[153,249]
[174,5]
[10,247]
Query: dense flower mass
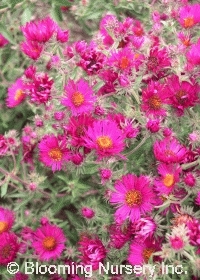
[100,140]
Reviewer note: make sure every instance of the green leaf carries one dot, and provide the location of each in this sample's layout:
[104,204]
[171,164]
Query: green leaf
[56,13]
[62,3]
[26,16]
[6,34]
[4,189]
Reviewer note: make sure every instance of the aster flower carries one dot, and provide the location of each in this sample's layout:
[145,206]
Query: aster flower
[53,151]
[169,151]
[39,89]
[92,251]
[153,99]
[106,22]
[193,55]
[31,49]
[77,127]
[105,137]
[119,235]
[39,30]
[189,15]
[3,41]
[16,93]
[197,199]
[169,176]
[194,232]
[140,252]
[48,242]
[185,39]
[121,60]
[158,61]
[91,61]
[79,97]
[134,197]
[3,146]
[8,248]
[6,219]
[182,95]
[144,228]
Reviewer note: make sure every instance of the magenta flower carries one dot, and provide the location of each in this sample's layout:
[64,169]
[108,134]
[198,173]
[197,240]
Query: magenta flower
[158,61]
[31,49]
[6,219]
[193,55]
[140,252]
[169,151]
[169,176]
[153,99]
[39,89]
[16,94]
[189,15]
[105,137]
[133,196]
[121,60]
[20,276]
[8,248]
[53,151]
[87,212]
[3,41]
[119,235]
[39,30]
[3,146]
[77,128]
[79,97]
[182,95]
[92,251]
[48,242]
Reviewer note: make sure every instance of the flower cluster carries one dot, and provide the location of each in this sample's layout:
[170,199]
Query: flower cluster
[106,165]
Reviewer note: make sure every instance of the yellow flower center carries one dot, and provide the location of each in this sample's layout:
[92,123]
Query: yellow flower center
[77,98]
[49,243]
[124,62]
[55,154]
[155,102]
[136,55]
[104,142]
[18,94]
[169,153]
[168,180]
[147,254]
[133,197]
[3,226]
[188,22]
